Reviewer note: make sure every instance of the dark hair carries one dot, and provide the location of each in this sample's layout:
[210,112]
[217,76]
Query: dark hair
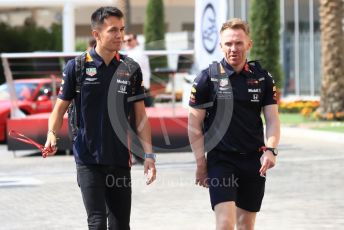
[102,13]
[132,34]
[92,42]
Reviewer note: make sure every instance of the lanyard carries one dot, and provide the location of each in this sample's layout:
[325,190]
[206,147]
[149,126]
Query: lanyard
[25,139]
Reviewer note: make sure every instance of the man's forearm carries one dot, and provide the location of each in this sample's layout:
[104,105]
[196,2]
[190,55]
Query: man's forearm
[272,125]
[272,134]
[144,133]
[55,121]
[196,139]
[56,117]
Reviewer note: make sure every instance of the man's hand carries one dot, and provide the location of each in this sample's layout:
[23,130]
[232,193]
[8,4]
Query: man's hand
[54,124]
[268,160]
[50,144]
[201,172]
[149,170]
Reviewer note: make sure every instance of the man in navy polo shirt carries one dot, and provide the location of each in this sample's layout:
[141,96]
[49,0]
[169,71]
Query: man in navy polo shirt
[102,157]
[236,166]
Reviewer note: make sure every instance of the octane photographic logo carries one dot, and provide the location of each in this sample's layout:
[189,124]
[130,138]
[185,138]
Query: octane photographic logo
[118,117]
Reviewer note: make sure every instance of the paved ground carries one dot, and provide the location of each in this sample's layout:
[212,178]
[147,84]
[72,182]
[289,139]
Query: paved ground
[305,190]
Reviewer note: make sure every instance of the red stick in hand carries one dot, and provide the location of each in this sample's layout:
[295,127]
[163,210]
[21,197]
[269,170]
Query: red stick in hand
[25,139]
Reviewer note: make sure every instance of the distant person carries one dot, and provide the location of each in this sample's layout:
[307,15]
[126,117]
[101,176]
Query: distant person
[136,52]
[91,43]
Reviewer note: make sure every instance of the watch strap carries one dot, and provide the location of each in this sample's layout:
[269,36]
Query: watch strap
[273,150]
[150,155]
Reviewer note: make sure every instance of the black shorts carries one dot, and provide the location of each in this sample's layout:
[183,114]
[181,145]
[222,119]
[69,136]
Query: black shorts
[235,177]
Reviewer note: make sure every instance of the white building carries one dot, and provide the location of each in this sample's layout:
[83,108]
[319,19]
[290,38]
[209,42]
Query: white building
[300,35]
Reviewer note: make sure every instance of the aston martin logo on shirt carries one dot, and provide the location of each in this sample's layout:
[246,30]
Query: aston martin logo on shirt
[91,79]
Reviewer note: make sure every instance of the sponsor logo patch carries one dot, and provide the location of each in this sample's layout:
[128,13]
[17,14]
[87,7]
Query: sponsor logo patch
[124,82]
[123,73]
[251,81]
[122,89]
[91,71]
[255,98]
[91,79]
[223,82]
[254,90]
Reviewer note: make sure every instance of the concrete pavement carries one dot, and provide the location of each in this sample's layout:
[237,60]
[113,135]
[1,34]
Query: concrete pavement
[304,191]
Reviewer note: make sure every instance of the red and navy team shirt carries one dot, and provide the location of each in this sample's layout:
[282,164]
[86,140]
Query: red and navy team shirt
[96,141]
[251,92]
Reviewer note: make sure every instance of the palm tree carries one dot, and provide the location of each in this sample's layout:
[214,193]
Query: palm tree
[332,88]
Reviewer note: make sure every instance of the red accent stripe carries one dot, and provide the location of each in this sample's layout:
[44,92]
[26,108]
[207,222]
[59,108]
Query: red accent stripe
[246,67]
[117,56]
[262,149]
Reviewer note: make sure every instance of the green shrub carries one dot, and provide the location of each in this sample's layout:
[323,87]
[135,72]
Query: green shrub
[265,26]
[28,38]
[154,32]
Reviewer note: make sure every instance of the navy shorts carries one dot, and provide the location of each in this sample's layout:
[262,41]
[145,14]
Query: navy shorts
[235,177]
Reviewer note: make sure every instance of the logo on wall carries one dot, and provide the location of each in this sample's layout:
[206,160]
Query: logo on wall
[209,29]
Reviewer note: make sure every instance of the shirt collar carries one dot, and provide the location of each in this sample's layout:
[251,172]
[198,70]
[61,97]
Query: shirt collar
[98,60]
[229,69]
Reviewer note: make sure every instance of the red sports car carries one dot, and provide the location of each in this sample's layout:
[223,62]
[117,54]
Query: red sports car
[34,96]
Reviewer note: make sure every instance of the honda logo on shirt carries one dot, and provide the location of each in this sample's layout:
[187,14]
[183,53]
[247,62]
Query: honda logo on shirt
[255,97]
[122,89]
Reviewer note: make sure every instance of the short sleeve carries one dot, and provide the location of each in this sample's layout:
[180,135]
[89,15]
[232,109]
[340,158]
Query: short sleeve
[67,89]
[270,96]
[200,96]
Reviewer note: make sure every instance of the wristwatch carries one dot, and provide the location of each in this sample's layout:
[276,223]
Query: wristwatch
[150,155]
[273,150]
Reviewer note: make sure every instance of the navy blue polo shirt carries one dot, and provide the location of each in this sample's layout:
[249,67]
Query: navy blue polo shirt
[251,92]
[96,141]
